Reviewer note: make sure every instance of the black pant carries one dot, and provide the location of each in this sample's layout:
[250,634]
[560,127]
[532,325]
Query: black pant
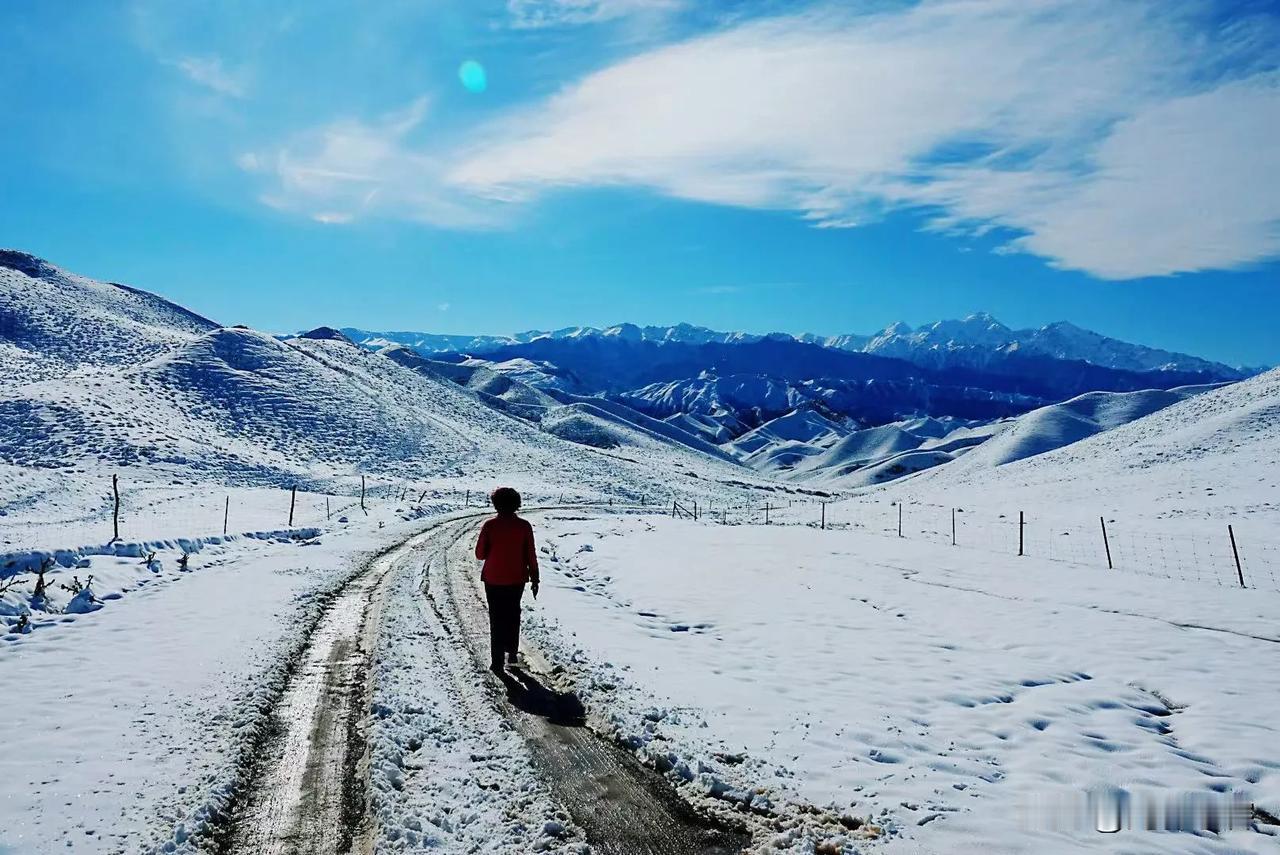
[504,618]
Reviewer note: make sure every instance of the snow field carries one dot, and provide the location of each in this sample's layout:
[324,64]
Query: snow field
[925,688]
[135,719]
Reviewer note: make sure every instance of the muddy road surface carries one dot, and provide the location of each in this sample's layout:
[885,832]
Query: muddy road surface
[308,790]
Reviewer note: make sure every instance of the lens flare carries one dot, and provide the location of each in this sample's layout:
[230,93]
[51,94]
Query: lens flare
[472,75]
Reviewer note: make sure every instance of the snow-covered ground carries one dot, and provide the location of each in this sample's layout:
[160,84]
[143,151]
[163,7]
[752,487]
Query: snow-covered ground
[127,723]
[927,689]
[914,692]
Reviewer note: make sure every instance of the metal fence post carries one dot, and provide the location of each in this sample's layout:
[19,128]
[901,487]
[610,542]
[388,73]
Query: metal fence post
[1106,544]
[1236,552]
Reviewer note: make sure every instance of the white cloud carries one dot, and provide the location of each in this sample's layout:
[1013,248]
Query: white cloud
[351,168]
[1185,184]
[208,71]
[531,14]
[444,307]
[1088,125]
[1107,136]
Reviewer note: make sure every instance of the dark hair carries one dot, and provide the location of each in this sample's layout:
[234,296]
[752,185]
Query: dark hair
[505,500]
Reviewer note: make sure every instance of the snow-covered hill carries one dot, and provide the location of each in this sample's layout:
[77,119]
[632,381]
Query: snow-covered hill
[101,379]
[1054,426]
[52,321]
[806,425]
[1204,456]
[888,452]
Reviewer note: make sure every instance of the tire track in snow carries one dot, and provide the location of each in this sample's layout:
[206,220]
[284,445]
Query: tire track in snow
[624,807]
[308,791]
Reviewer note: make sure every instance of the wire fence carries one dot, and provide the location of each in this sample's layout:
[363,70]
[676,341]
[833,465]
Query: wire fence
[126,512]
[1225,557]
[118,510]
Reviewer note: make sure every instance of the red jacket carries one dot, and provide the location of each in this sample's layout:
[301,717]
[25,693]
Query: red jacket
[506,547]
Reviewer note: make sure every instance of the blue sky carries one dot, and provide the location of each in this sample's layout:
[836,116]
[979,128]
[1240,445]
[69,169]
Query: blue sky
[751,165]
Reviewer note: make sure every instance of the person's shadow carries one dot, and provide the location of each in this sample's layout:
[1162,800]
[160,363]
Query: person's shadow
[528,695]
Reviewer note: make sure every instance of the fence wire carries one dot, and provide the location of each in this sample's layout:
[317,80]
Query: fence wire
[1191,556]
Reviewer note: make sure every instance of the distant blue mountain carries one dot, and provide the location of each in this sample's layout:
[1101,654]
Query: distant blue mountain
[761,379]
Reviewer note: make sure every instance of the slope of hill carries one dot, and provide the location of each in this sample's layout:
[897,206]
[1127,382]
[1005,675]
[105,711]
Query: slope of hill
[595,422]
[718,427]
[52,320]
[1057,425]
[803,425]
[1207,456]
[897,450]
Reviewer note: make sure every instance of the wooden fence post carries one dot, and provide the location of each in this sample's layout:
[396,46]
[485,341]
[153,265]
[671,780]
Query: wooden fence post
[953,526]
[1021,525]
[899,518]
[1236,553]
[695,510]
[823,525]
[362,507]
[673,508]
[1106,544]
[293,498]
[766,513]
[328,514]
[115,490]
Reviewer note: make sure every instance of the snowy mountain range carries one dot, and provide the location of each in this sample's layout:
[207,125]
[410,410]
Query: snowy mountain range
[844,410]
[973,342]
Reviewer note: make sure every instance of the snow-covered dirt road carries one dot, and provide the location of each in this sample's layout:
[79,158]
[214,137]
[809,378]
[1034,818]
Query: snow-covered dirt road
[307,792]
[311,792]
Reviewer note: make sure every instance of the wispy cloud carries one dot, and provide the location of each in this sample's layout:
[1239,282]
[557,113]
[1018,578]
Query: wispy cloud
[1122,139]
[533,14]
[349,168]
[1102,131]
[209,72]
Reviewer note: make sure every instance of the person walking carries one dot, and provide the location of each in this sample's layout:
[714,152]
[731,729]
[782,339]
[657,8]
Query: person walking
[505,545]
